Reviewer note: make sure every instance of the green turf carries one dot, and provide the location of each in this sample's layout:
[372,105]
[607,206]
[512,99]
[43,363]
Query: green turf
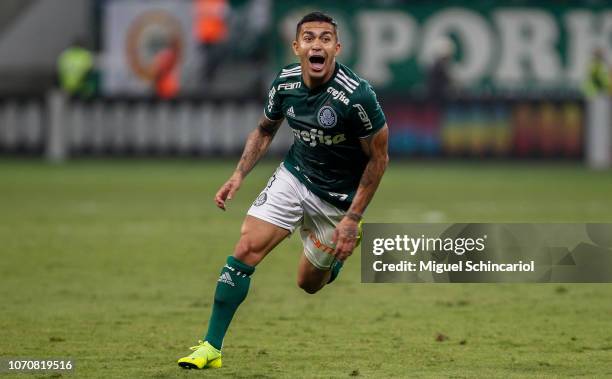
[114,263]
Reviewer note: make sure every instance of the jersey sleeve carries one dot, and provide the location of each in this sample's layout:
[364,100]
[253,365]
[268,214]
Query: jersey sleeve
[273,109]
[366,112]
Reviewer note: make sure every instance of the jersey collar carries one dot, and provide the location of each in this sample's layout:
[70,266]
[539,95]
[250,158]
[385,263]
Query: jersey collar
[322,87]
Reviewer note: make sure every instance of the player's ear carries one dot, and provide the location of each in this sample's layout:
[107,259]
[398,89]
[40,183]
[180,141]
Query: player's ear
[338,48]
[294,46]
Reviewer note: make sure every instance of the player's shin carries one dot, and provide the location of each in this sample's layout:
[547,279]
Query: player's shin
[232,289]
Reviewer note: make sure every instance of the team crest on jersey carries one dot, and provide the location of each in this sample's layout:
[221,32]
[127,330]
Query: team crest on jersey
[327,117]
[261,199]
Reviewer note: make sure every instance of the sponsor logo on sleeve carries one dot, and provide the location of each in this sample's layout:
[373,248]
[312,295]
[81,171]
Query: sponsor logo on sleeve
[363,115]
[271,99]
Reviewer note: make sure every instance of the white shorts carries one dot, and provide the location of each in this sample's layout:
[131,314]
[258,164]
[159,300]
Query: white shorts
[287,203]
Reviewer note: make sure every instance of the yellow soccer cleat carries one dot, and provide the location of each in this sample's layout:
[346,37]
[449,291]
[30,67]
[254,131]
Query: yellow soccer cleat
[204,356]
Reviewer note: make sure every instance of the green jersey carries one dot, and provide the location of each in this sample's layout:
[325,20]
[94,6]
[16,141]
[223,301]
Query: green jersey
[327,122]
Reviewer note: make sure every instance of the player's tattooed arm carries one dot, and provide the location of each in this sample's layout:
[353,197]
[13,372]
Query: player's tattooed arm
[376,148]
[347,230]
[255,147]
[257,144]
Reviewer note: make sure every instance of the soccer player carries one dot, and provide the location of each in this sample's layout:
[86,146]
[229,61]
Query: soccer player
[323,186]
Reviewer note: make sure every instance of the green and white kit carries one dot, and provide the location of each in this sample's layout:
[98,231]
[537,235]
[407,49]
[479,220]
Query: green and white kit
[326,157]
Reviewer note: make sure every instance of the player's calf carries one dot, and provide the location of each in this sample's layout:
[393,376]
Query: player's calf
[257,238]
[310,278]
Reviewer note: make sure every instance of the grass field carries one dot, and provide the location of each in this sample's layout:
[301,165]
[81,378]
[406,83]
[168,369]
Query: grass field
[114,263]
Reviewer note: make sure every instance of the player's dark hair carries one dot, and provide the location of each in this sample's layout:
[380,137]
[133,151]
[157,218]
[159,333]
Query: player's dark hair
[316,16]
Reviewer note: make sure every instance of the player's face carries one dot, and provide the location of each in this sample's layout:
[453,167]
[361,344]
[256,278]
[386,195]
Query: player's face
[317,46]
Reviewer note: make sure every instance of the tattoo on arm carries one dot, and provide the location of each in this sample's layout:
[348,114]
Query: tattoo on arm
[269,127]
[374,170]
[257,144]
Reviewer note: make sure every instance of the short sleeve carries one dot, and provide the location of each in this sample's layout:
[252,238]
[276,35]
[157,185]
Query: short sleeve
[366,112]
[273,110]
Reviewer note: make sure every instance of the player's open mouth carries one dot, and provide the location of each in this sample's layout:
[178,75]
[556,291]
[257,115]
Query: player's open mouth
[317,62]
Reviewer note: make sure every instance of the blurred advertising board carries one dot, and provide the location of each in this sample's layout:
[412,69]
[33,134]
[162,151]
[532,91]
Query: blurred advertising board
[499,46]
[213,41]
[493,128]
[133,32]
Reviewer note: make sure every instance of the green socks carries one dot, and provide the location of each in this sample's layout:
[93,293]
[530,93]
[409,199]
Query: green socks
[232,289]
[335,270]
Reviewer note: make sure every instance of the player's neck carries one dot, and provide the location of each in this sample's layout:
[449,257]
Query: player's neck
[313,83]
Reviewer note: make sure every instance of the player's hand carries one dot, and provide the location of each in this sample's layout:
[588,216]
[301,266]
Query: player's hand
[345,237]
[227,190]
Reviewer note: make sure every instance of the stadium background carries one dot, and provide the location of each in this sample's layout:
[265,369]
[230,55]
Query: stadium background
[111,256]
